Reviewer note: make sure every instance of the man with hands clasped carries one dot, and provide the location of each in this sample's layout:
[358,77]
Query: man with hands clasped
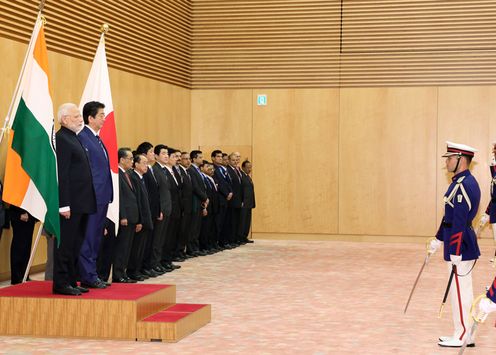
[455,233]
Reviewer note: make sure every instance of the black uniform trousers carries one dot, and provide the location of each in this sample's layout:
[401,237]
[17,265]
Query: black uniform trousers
[184,234]
[171,237]
[244,226]
[105,255]
[147,252]
[65,267]
[193,240]
[135,264]
[122,250]
[20,249]
[159,235]
[236,219]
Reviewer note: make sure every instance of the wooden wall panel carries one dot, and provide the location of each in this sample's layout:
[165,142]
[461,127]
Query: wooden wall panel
[295,151]
[467,115]
[267,43]
[145,109]
[221,117]
[327,43]
[147,38]
[387,161]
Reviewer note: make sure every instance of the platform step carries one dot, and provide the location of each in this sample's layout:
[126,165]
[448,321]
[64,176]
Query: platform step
[174,322]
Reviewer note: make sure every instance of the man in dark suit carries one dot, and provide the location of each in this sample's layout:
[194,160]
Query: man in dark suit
[225,194]
[248,201]
[94,118]
[187,204]
[22,236]
[76,198]
[174,225]
[135,265]
[146,148]
[128,218]
[199,204]
[160,227]
[236,202]
[208,237]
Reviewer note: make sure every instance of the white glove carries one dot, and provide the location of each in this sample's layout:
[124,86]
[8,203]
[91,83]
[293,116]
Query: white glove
[487,306]
[484,219]
[434,245]
[455,259]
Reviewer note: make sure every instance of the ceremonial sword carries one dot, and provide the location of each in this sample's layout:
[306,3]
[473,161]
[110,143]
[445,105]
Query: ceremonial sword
[426,261]
[480,318]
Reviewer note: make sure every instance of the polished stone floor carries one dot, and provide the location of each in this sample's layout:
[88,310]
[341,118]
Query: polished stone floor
[302,297]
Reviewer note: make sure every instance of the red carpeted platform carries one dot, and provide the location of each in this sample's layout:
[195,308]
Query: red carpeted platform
[117,312]
[117,291]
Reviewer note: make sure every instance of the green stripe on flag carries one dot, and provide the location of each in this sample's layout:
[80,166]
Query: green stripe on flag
[39,161]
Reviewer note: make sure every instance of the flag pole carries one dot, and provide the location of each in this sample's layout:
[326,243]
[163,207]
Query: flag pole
[33,253]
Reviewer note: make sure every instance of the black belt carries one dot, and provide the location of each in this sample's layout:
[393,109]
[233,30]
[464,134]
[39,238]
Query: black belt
[449,225]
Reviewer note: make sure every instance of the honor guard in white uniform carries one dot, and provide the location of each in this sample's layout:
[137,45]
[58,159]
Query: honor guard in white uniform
[456,234]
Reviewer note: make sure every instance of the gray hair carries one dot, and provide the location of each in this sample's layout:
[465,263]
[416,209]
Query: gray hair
[64,110]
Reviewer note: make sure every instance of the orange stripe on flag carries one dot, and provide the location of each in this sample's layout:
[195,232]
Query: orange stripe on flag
[41,55]
[16,180]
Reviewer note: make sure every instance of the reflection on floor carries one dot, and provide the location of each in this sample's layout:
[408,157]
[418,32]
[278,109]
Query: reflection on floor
[292,297]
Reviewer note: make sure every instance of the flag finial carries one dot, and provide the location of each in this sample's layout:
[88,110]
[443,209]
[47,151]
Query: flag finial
[105,27]
[41,6]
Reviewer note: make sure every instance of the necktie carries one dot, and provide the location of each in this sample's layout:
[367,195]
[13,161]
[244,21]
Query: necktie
[150,168]
[143,183]
[226,175]
[101,145]
[128,181]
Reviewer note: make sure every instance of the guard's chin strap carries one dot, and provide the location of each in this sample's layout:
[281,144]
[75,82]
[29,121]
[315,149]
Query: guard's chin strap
[457,162]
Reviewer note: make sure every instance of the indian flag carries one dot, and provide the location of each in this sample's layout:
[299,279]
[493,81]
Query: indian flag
[31,167]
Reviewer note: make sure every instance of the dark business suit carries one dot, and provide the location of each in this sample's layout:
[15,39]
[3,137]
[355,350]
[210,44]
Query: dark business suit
[128,209]
[20,249]
[248,205]
[207,239]
[199,197]
[154,202]
[173,228]
[160,227]
[235,203]
[102,183]
[223,217]
[187,204]
[76,192]
[145,219]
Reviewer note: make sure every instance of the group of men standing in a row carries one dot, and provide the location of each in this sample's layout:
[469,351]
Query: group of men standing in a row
[173,205]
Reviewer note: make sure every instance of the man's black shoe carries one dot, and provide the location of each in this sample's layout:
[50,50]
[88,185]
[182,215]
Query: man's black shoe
[67,290]
[136,278]
[82,289]
[150,273]
[174,267]
[104,282]
[95,284]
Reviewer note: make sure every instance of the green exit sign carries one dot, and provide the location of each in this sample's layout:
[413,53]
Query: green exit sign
[262,100]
